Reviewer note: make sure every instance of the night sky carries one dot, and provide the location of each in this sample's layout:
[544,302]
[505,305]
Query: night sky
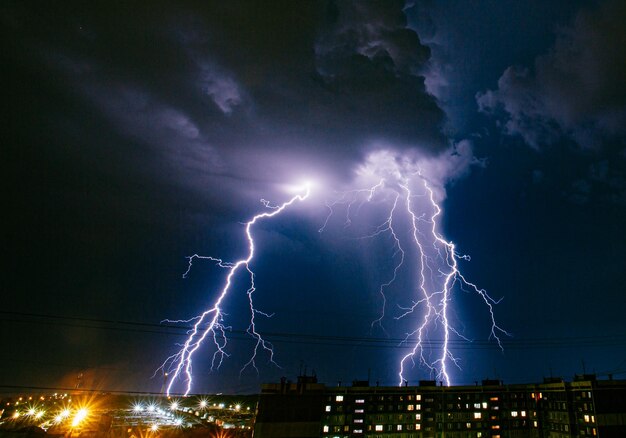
[136,135]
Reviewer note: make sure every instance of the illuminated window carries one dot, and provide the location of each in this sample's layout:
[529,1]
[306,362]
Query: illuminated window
[586,418]
[468,425]
[496,398]
[358,420]
[479,434]
[484,405]
[358,411]
[418,426]
[477,415]
[418,397]
[379,428]
[410,407]
[328,408]
[399,427]
[513,413]
[339,398]
[495,426]
[476,405]
[418,407]
[325,429]
[534,423]
[418,416]
[359,401]
[593,418]
[358,430]
[523,413]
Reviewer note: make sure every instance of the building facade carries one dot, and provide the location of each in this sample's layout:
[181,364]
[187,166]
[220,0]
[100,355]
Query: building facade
[585,407]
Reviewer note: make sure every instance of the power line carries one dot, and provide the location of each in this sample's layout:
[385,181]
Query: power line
[311,339]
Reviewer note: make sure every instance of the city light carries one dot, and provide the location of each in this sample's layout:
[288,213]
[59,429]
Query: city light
[80,416]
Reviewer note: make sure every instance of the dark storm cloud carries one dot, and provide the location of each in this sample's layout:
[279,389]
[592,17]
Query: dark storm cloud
[576,90]
[237,87]
[575,94]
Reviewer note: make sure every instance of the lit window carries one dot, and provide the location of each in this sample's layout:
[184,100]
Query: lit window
[496,398]
[325,429]
[495,426]
[479,434]
[586,418]
[339,398]
[358,420]
[468,425]
[379,428]
[418,407]
[418,397]
[476,405]
[410,407]
[477,415]
[399,427]
[328,408]
[359,401]
[418,426]
[358,411]
[484,405]
[418,416]
[513,413]
[358,430]
[593,419]
[523,413]
[534,423]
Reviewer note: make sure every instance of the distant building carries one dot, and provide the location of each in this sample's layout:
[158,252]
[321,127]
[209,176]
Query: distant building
[585,407]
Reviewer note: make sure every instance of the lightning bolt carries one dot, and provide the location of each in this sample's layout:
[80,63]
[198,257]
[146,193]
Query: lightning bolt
[438,271]
[210,322]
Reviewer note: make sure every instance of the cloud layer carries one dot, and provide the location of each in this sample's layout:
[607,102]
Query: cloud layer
[254,90]
[575,91]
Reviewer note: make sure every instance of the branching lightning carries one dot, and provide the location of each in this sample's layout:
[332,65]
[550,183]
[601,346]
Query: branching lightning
[438,270]
[411,215]
[211,322]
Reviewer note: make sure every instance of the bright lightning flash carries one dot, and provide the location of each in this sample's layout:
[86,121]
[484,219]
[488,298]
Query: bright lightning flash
[210,322]
[438,270]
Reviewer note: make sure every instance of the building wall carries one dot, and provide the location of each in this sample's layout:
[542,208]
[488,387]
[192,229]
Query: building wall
[554,409]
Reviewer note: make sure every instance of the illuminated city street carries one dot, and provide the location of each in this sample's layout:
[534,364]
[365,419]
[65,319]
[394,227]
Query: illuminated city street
[127,415]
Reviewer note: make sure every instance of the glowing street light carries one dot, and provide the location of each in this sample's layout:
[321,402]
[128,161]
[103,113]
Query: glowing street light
[81,414]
